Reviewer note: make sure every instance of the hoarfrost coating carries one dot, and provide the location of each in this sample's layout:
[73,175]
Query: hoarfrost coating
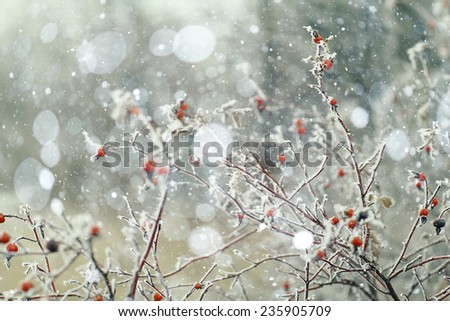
[321,171]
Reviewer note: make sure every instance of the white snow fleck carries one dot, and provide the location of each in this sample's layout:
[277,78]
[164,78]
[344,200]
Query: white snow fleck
[246,87]
[103,54]
[46,179]
[74,126]
[303,240]
[287,171]
[57,206]
[408,91]
[92,276]
[373,9]
[49,32]
[194,43]
[50,154]
[161,42]
[397,145]
[242,69]
[443,120]
[359,117]
[113,201]
[213,139]
[27,184]
[176,227]
[205,212]
[254,29]
[204,240]
[380,94]
[224,260]
[45,127]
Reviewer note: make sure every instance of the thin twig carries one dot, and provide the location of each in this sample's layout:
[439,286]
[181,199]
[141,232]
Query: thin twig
[146,253]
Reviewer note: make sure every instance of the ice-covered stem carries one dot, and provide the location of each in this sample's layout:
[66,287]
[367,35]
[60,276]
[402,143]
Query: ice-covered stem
[405,246]
[421,263]
[441,295]
[193,288]
[220,189]
[306,280]
[156,265]
[388,284]
[366,231]
[379,152]
[327,261]
[307,182]
[25,209]
[135,280]
[418,52]
[353,158]
[204,291]
[103,273]
[206,256]
[237,203]
[322,61]
[427,202]
[420,285]
[445,210]
[350,283]
[257,183]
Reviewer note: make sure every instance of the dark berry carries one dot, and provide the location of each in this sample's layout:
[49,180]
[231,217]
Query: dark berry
[52,246]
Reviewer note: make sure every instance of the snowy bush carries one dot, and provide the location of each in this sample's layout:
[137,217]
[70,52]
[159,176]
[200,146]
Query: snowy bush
[215,153]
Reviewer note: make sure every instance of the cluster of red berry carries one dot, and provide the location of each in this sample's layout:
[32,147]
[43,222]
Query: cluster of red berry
[300,128]
[356,241]
[150,168]
[182,109]
[5,238]
[421,177]
[326,62]
[439,222]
